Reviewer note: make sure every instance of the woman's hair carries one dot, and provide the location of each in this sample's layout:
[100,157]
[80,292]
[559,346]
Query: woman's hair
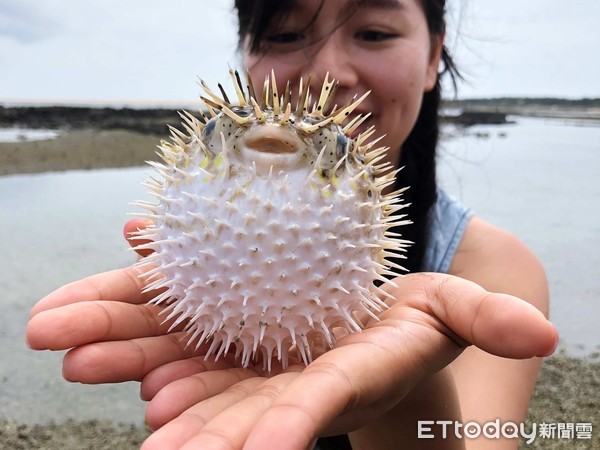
[418,155]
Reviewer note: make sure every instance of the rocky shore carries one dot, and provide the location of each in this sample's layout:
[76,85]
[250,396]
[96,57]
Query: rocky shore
[147,121]
[155,121]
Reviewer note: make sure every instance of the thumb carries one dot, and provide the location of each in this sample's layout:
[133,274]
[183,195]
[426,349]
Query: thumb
[499,324]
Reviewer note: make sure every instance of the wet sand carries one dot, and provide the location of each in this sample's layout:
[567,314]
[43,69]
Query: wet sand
[71,435]
[567,391]
[78,149]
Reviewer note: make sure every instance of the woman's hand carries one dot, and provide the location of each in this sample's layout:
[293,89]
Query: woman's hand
[115,336]
[363,377]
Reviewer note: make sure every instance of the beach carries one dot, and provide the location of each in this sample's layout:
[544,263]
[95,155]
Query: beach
[568,390]
[78,150]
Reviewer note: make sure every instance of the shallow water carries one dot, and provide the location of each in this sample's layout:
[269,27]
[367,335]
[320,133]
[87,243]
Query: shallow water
[26,134]
[58,227]
[538,179]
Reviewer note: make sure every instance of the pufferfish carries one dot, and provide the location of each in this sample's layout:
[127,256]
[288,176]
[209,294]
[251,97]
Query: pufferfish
[271,228]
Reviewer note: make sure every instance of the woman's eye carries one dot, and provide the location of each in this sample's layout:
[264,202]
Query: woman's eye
[285,38]
[374,36]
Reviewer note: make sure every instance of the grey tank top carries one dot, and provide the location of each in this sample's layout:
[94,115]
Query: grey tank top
[447,224]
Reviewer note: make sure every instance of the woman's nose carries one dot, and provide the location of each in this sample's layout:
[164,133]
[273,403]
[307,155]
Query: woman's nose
[333,55]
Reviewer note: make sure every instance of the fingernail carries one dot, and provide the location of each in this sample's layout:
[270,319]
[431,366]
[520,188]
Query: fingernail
[556,340]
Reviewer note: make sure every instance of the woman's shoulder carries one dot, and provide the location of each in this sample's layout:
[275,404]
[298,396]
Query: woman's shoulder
[500,262]
[447,221]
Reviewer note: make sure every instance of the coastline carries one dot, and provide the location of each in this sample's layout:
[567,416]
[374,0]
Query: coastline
[78,150]
[567,390]
[88,138]
[94,138]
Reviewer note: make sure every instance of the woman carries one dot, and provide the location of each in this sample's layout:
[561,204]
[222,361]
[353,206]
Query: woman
[417,363]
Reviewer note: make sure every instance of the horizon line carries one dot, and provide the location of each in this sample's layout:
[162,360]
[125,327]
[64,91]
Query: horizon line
[177,103]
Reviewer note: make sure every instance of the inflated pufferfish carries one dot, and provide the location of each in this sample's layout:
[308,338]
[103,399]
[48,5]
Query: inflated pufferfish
[271,226]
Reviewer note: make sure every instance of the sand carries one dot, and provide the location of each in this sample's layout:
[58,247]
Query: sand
[567,390]
[71,435]
[78,149]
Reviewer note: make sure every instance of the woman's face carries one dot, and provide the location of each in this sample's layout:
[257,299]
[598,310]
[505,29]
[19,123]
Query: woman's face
[381,45]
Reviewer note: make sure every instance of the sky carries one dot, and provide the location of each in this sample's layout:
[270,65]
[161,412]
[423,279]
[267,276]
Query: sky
[152,51]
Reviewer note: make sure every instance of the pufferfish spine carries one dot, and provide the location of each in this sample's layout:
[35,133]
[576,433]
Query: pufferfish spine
[271,227]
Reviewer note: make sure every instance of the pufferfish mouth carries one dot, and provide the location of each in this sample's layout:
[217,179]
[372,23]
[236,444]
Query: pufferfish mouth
[272,139]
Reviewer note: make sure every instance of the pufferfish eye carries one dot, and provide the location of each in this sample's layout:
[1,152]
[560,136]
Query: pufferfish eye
[341,145]
[241,111]
[209,128]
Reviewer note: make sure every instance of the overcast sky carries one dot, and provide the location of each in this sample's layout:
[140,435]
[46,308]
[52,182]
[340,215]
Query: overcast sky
[114,51]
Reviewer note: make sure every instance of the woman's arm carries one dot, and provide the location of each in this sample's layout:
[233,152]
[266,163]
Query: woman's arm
[490,387]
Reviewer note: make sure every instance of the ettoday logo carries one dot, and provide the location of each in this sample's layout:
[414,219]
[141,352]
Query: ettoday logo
[430,429]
